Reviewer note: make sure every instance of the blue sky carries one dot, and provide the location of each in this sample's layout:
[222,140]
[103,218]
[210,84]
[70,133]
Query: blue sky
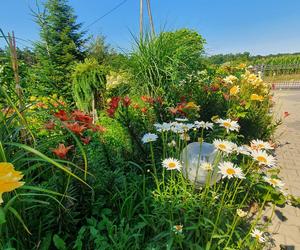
[229,26]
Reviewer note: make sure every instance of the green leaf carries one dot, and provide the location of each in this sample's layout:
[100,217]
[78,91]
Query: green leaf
[59,242]
[2,216]
[19,218]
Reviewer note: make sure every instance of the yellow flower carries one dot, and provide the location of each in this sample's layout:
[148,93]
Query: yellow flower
[32,98]
[234,90]
[255,97]
[54,96]
[191,105]
[9,178]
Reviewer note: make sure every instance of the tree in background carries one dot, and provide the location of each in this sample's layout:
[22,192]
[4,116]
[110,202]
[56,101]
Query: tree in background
[60,47]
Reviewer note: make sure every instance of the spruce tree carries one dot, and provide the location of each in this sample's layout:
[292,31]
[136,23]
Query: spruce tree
[60,47]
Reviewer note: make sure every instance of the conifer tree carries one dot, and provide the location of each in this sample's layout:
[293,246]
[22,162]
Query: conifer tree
[60,47]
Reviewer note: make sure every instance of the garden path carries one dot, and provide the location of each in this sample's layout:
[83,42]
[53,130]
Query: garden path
[286,222]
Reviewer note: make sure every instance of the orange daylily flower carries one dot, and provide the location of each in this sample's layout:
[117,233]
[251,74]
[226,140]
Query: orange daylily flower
[61,151]
[86,140]
[9,178]
[62,115]
[82,117]
[76,128]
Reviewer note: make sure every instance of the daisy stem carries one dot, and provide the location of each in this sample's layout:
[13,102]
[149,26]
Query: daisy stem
[218,215]
[236,218]
[154,168]
[239,183]
[256,220]
[199,157]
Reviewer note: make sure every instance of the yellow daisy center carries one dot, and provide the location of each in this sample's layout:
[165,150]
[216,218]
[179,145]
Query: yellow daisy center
[261,145]
[171,164]
[230,171]
[262,159]
[222,146]
[273,181]
[226,124]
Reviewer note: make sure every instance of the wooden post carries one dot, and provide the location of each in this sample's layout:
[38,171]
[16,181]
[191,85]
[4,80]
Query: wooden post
[150,17]
[141,19]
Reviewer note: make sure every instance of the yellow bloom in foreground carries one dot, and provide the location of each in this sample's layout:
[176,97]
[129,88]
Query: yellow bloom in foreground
[234,90]
[9,178]
[255,97]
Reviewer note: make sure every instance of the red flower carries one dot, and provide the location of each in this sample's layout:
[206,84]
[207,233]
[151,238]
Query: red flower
[147,99]
[86,140]
[49,125]
[144,110]
[75,127]
[136,106]
[144,98]
[114,103]
[98,128]
[286,114]
[126,101]
[111,112]
[82,117]
[173,111]
[61,151]
[62,115]
[159,100]
[214,87]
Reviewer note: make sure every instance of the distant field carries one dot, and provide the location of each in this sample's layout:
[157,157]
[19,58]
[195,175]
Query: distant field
[283,78]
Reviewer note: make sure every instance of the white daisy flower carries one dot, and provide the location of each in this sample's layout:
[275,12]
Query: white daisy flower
[263,158]
[149,137]
[178,229]
[202,124]
[228,124]
[258,235]
[171,164]
[228,170]
[181,119]
[244,150]
[224,146]
[177,128]
[162,127]
[259,144]
[241,213]
[206,166]
[274,182]
[187,126]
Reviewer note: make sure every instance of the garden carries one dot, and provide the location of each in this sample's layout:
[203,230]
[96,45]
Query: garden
[155,149]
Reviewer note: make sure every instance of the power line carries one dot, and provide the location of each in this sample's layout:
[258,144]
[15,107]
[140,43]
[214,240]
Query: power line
[107,13]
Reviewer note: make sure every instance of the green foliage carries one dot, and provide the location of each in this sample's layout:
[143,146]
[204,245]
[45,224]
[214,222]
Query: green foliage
[60,46]
[89,85]
[159,63]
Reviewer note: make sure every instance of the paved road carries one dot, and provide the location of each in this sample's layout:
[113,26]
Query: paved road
[286,223]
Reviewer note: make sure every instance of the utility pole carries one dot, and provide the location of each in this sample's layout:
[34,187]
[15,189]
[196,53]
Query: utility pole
[141,19]
[150,17]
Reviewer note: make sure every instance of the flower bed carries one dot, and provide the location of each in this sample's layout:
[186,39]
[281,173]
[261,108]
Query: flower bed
[191,169]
